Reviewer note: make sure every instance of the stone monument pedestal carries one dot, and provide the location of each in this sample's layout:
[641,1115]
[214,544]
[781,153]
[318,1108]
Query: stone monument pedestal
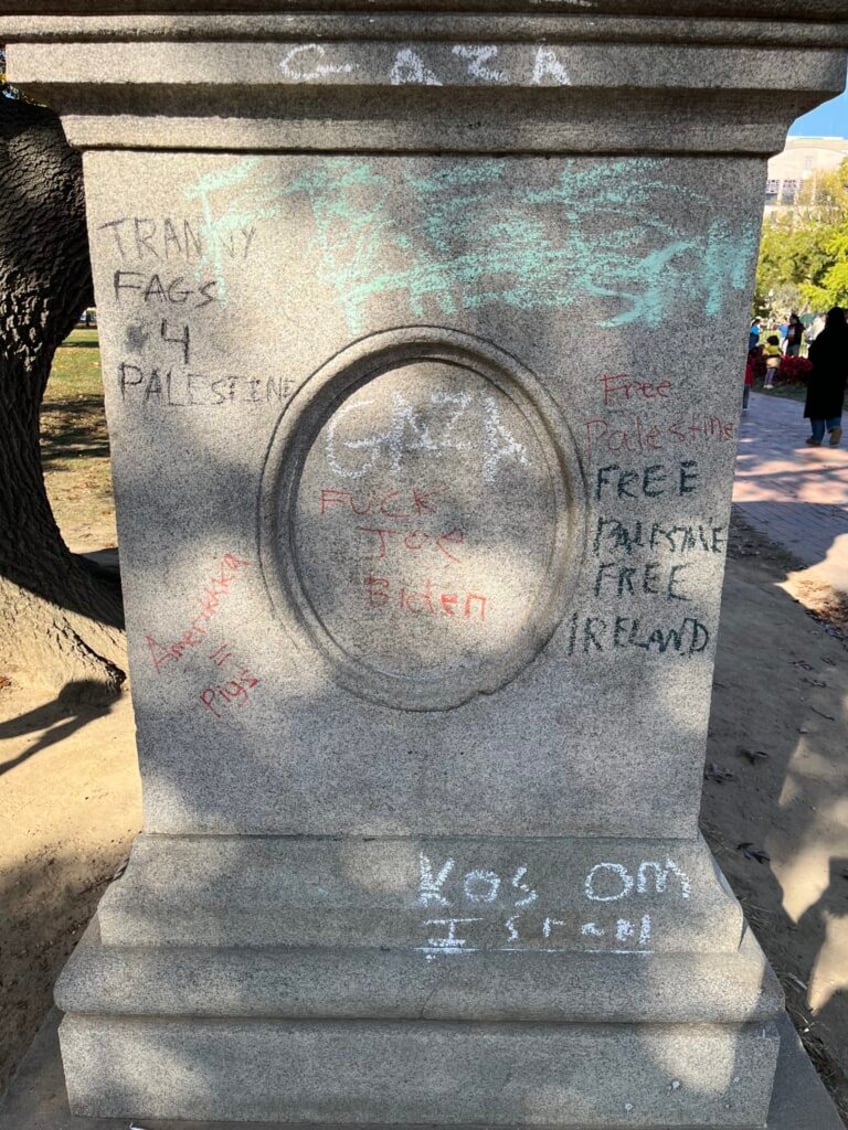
[331,982]
[423,337]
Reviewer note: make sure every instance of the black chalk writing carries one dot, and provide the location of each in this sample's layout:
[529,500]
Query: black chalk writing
[169,388]
[590,634]
[172,291]
[183,341]
[655,481]
[612,535]
[650,578]
[165,239]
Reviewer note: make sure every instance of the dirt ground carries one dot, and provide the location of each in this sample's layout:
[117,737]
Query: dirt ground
[775,802]
[775,805]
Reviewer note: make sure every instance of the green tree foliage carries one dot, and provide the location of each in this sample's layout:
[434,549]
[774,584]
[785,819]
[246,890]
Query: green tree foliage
[803,259]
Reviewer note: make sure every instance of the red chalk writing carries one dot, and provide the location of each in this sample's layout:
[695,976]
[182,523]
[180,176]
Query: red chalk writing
[233,692]
[216,589]
[621,387]
[382,593]
[414,541]
[220,655]
[395,504]
[636,437]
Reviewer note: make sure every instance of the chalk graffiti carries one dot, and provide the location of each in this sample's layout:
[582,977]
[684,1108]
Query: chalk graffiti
[207,241]
[394,504]
[612,578]
[432,64]
[615,535]
[235,690]
[654,481]
[216,589]
[409,67]
[477,885]
[548,70]
[640,436]
[432,429]
[591,634]
[169,388]
[305,62]
[383,593]
[223,226]
[620,386]
[611,882]
[477,57]
[413,541]
[173,291]
[597,232]
[488,909]
[165,238]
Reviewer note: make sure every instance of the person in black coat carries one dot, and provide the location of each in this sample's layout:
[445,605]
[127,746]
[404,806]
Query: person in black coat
[794,335]
[826,383]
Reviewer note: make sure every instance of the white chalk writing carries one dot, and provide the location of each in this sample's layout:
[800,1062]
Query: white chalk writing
[610,882]
[476,57]
[431,64]
[295,64]
[430,430]
[409,68]
[487,908]
[548,70]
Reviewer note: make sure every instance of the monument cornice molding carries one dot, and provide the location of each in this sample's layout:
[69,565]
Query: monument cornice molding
[517,78]
[768,10]
[495,26]
[432,92]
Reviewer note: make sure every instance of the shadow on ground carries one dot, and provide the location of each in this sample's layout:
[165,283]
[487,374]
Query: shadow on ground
[775,802]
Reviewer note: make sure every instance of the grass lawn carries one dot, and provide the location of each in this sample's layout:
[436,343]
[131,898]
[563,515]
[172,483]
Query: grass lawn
[785,392]
[75,445]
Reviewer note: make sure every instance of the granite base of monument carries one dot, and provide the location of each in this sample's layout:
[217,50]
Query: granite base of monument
[417,336]
[520,982]
[36,1099]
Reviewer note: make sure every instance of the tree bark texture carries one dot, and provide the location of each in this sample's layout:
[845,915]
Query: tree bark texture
[60,619]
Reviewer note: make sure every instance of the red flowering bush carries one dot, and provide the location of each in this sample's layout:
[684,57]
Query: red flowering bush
[794,370]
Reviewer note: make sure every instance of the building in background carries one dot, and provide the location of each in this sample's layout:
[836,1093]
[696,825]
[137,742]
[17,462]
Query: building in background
[803,159]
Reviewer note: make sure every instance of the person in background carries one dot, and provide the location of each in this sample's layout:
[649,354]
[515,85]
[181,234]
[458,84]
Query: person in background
[815,328]
[826,383]
[794,335]
[772,354]
[754,357]
[754,334]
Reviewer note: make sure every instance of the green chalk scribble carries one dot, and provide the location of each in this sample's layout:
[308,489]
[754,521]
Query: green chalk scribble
[219,231]
[470,236]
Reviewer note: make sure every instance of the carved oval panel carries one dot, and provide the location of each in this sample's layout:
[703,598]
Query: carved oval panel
[418,518]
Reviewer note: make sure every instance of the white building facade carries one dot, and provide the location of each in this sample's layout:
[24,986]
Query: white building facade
[804,159]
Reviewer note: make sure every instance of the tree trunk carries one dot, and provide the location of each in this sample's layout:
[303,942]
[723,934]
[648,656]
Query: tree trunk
[60,619]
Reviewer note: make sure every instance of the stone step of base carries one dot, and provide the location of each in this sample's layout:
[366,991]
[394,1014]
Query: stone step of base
[504,1075]
[361,982]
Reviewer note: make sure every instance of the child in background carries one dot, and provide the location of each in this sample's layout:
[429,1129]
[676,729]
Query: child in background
[771,349]
[754,361]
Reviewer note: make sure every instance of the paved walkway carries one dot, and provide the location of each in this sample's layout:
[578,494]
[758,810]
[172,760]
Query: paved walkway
[794,494]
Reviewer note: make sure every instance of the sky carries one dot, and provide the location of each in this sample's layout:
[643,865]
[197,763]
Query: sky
[828,120]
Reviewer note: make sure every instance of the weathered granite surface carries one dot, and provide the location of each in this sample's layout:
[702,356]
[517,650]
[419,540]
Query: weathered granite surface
[36,1099]
[520,983]
[831,10]
[605,77]
[418,433]
[422,336]
[563,1075]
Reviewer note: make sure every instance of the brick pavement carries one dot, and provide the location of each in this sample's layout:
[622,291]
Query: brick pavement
[794,494]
